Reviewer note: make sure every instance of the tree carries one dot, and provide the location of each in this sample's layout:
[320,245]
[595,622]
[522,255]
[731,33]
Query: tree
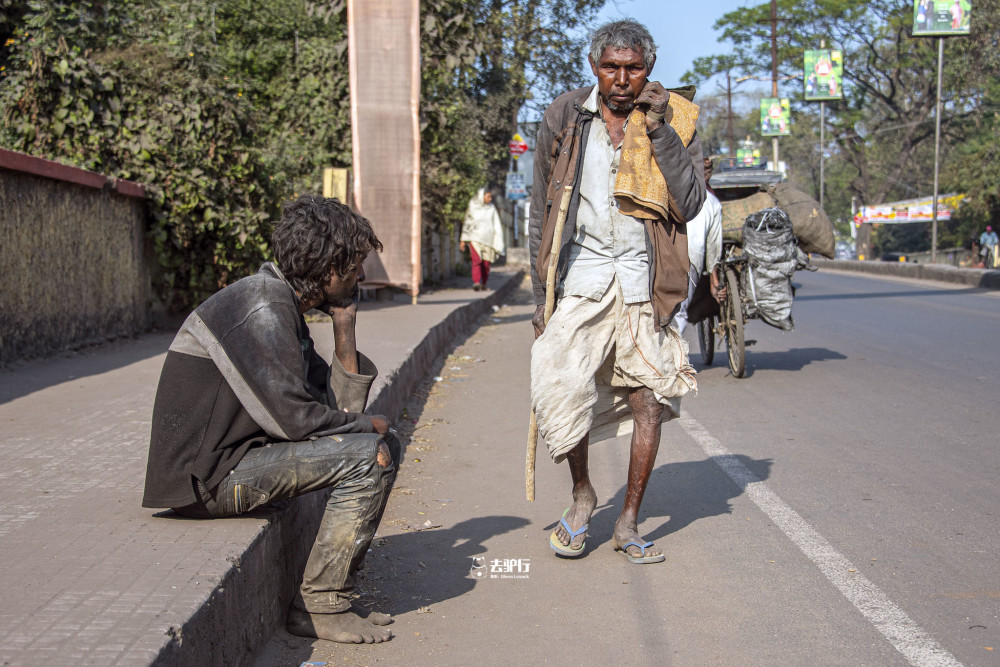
[226,108]
[531,51]
[126,88]
[975,168]
[484,62]
[884,128]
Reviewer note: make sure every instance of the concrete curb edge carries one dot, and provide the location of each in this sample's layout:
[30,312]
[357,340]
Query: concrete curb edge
[249,603]
[982,278]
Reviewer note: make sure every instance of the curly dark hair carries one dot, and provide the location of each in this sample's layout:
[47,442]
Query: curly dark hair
[319,236]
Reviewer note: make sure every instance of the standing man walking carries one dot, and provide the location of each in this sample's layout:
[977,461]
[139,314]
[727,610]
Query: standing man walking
[247,413]
[988,242]
[608,363]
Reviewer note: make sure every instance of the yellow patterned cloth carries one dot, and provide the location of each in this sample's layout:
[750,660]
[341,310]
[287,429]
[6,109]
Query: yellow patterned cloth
[640,188]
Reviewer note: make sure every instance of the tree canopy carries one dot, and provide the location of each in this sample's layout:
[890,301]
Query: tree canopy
[226,108]
[881,136]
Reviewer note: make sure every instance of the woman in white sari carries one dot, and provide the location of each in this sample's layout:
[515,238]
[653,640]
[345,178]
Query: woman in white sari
[483,232]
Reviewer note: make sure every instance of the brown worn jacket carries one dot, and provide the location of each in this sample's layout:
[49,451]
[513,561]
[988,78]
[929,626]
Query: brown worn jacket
[559,151]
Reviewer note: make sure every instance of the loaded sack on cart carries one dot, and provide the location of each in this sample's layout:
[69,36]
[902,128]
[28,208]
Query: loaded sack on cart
[773,255]
[811,230]
[810,224]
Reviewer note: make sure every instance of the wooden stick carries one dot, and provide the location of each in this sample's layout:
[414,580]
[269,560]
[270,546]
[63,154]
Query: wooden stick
[550,306]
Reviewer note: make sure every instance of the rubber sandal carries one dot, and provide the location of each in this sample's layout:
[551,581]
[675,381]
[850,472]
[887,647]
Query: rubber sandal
[565,550]
[643,559]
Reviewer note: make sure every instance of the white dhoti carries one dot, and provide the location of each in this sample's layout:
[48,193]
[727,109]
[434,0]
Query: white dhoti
[589,357]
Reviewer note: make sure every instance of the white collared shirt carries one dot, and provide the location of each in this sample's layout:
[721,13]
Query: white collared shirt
[606,243]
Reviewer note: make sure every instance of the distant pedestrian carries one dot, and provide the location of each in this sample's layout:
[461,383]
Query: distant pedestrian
[483,234]
[704,241]
[988,247]
[247,413]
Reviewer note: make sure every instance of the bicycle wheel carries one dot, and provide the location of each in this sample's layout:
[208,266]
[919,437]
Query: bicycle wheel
[734,326]
[706,339]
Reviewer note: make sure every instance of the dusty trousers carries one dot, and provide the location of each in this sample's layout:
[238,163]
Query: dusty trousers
[347,464]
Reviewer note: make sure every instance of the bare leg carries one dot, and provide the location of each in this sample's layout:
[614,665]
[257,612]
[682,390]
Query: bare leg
[584,496]
[646,413]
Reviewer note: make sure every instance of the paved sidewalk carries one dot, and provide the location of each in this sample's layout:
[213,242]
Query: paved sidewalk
[982,278]
[88,576]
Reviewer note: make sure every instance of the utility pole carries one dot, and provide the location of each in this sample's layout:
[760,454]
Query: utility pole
[822,149]
[822,139]
[774,70]
[729,115]
[937,153]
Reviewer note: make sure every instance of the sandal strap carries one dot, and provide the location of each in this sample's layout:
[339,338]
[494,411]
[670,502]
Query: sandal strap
[571,532]
[642,547]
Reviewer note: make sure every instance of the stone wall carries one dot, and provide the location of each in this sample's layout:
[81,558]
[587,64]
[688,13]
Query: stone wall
[72,257]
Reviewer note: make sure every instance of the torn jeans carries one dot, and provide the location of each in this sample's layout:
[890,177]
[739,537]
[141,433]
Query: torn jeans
[347,464]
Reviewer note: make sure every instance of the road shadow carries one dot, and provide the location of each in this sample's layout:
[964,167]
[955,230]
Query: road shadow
[23,377]
[684,492]
[794,359]
[420,568]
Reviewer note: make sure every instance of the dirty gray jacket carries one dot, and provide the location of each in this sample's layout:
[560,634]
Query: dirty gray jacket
[243,371]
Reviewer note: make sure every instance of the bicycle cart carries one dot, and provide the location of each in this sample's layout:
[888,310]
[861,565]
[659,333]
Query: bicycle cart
[732,316]
[757,280]
[717,322]
[760,251]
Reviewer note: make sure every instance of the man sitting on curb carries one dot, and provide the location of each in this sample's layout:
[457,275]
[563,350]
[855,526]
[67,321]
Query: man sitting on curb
[247,413]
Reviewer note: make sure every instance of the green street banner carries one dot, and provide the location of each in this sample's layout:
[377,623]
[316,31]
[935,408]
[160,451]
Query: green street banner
[775,117]
[749,158]
[941,17]
[823,74]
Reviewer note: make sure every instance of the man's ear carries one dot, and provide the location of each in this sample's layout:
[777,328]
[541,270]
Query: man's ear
[593,65]
[649,70]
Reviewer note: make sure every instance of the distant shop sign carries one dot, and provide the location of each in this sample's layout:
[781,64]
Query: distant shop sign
[941,17]
[516,188]
[517,146]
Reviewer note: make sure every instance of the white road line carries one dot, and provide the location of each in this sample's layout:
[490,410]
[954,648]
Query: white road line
[908,638]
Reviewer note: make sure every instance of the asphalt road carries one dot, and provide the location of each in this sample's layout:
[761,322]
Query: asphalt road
[838,506]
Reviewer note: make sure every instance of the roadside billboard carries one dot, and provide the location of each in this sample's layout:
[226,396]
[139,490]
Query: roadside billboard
[941,17]
[749,158]
[909,210]
[823,74]
[775,117]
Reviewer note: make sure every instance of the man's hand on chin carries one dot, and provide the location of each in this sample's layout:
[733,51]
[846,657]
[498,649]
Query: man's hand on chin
[655,97]
[343,312]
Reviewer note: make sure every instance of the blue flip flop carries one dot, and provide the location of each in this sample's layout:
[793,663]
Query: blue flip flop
[643,559]
[565,550]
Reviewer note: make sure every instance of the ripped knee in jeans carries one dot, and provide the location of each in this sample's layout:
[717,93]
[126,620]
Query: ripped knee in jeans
[383,457]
